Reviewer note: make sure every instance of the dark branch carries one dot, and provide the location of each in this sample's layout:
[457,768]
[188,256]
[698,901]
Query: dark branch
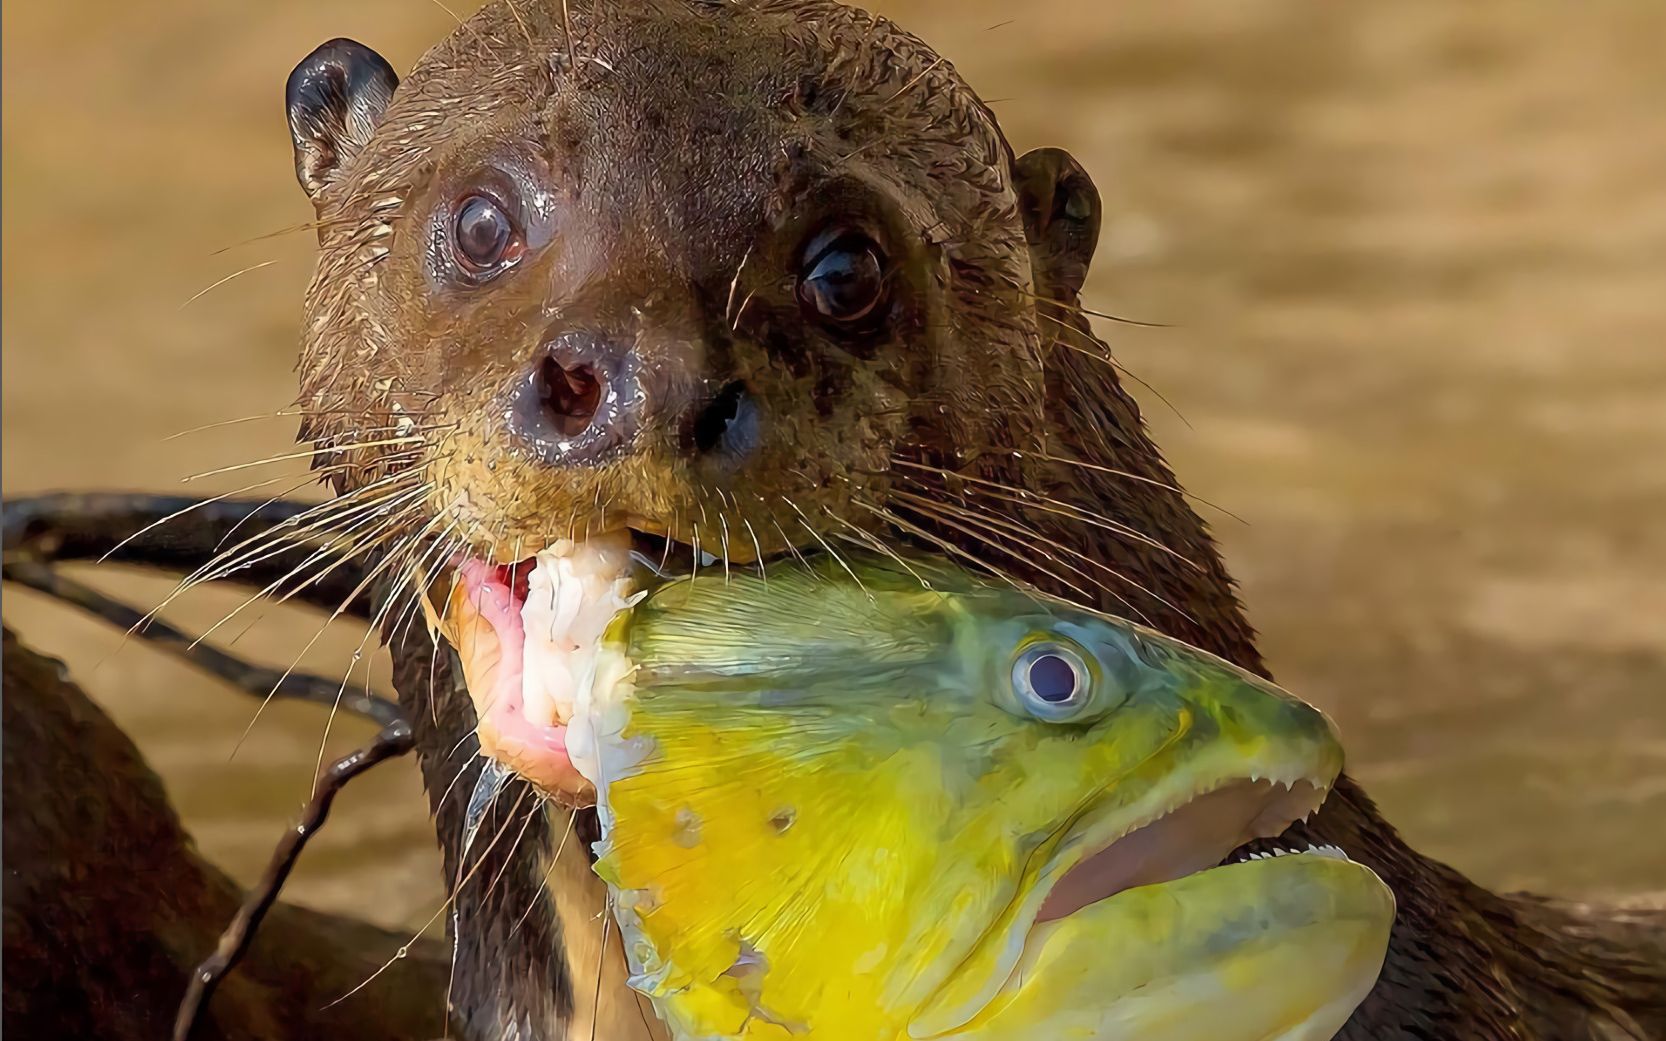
[254,679]
[393,741]
[87,526]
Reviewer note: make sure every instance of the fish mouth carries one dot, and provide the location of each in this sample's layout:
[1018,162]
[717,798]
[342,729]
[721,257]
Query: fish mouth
[1188,834]
[527,632]
[1226,824]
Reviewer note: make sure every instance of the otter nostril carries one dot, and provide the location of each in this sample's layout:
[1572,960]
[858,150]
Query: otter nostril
[730,425]
[577,402]
[569,395]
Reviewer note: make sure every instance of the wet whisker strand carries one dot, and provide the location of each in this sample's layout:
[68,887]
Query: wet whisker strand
[1025,555]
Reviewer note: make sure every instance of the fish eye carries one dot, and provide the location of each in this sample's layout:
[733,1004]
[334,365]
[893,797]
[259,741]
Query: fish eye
[1052,682]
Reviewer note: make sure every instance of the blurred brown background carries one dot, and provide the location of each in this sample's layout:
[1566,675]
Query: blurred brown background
[1414,258]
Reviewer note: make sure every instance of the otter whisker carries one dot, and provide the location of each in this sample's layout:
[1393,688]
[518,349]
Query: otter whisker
[324,515]
[199,294]
[231,532]
[1105,356]
[371,630]
[282,413]
[472,31]
[1072,512]
[222,423]
[792,546]
[532,814]
[734,286]
[601,959]
[567,34]
[694,544]
[357,545]
[369,578]
[974,525]
[344,545]
[922,74]
[508,859]
[405,948]
[461,770]
[1114,472]
[1014,529]
[907,526]
[525,32]
[665,553]
[318,516]
[757,550]
[422,575]
[313,452]
[1026,497]
[723,543]
[311,225]
[804,521]
[542,889]
[872,541]
[1065,305]
[224,564]
[200,503]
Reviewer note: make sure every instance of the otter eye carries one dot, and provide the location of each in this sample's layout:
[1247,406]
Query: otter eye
[1052,682]
[843,277]
[483,237]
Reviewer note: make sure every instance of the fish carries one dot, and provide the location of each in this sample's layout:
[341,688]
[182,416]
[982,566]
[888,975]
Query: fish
[887,799]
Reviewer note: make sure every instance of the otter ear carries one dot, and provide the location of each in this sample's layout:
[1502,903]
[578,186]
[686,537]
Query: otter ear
[335,98]
[1061,218]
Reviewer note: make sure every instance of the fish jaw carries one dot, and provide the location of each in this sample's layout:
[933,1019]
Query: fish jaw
[527,636]
[1276,949]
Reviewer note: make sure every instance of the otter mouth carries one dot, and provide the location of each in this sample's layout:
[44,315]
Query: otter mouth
[526,634]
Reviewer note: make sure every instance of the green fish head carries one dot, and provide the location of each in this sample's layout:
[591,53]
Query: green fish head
[886,799]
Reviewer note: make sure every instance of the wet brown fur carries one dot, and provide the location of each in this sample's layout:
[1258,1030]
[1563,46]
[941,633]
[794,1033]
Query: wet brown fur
[990,424]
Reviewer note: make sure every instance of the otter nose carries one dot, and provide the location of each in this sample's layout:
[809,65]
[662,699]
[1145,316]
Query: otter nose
[584,398]
[580,400]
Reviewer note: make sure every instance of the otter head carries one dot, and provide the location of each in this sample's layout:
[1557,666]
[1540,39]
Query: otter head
[729,274]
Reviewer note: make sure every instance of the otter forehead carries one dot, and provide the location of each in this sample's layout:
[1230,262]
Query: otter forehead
[689,121]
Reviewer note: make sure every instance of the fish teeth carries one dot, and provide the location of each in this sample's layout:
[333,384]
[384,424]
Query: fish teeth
[1323,850]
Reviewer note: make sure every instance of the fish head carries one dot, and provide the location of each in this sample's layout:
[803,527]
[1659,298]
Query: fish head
[885,799]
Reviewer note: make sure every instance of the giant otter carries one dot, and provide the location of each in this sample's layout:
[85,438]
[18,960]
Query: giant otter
[762,277]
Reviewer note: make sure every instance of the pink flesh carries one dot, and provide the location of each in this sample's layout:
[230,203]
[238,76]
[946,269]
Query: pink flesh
[536,751]
[1189,839]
